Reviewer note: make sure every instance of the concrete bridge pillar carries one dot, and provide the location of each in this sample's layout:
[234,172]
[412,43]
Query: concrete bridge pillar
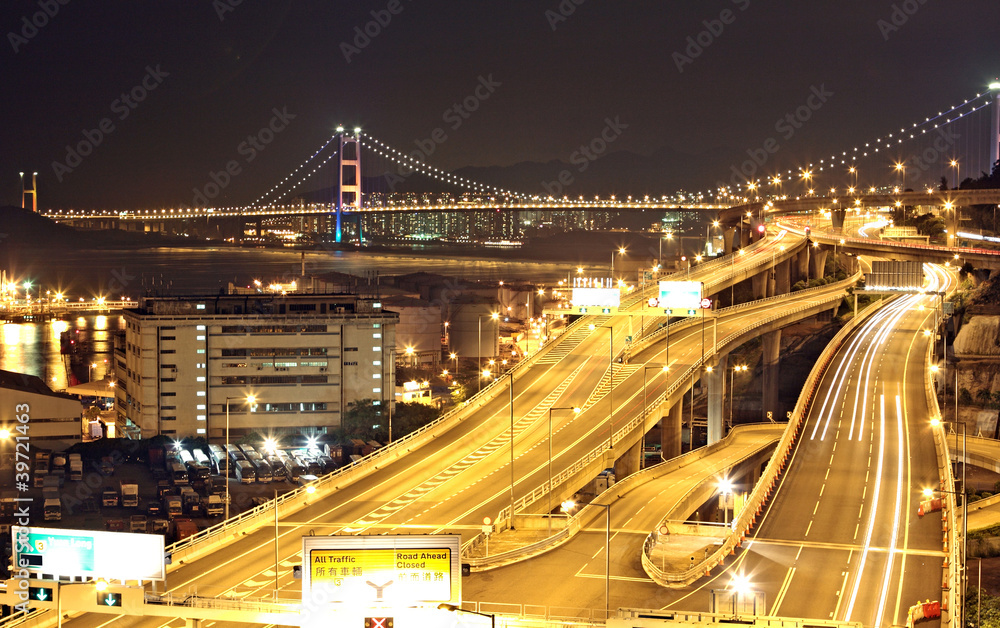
[817,263]
[190,622]
[630,462]
[716,383]
[802,265]
[837,216]
[782,283]
[744,236]
[728,236]
[670,431]
[760,282]
[771,346]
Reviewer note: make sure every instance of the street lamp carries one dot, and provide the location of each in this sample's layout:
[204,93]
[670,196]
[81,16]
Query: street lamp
[620,251]
[250,400]
[901,169]
[732,392]
[726,489]
[569,505]
[935,423]
[663,369]
[90,371]
[659,260]
[742,586]
[479,348]
[954,164]
[455,609]
[611,392]
[575,412]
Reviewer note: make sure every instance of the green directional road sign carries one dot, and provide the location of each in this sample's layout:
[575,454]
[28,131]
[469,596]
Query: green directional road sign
[109,599]
[41,594]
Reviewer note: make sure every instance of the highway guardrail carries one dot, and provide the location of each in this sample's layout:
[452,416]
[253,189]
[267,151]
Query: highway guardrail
[951,578]
[504,517]
[184,551]
[590,512]
[769,479]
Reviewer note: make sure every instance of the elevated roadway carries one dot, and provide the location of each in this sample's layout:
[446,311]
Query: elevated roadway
[448,478]
[840,539]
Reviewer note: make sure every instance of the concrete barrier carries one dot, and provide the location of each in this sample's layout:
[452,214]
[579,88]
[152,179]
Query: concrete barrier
[769,479]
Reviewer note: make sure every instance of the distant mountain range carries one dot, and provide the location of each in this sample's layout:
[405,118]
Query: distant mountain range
[621,173]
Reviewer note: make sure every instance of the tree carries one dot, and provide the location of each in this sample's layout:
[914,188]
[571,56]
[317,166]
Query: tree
[984,396]
[366,421]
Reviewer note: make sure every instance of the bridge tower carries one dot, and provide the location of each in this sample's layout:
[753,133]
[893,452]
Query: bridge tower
[33,191]
[995,131]
[348,174]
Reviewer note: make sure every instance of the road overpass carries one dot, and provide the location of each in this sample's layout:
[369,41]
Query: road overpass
[449,476]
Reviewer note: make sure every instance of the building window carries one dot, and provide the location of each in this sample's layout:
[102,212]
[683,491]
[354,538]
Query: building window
[168,418]
[376,348]
[201,378]
[376,376]
[376,335]
[377,326]
[200,393]
[376,362]
[200,306]
[200,328]
[201,417]
[200,407]
[200,351]
[168,337]
[168,379]
[201,430]
[199,338]
[376,390]
[166,351]
[168,394]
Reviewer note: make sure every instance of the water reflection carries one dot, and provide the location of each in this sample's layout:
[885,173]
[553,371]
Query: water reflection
[34,348]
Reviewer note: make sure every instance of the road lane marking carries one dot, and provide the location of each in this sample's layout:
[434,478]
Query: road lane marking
[782,591]
[895,521]
[871,519]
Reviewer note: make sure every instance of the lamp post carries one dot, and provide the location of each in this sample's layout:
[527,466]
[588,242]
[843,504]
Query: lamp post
[569,505]
[575,411]
[659,260]
[611,392]
[965,507]
[732,392]
[620,251]
[726,489]
[250,400]
[479,348]
[455,609]
[663,369]
[954,164]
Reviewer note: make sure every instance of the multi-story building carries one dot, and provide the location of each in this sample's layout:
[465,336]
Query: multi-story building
[187,365]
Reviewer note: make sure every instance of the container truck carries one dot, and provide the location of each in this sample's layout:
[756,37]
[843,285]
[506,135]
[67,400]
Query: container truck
[130,495]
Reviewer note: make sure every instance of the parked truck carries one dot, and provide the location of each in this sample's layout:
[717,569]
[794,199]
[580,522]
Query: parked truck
[75,467]
[130,495]
[174,507]
[213,505]
[183,528]
[52,505]
[109,497]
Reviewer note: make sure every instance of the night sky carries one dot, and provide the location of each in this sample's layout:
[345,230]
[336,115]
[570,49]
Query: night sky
[216,72]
